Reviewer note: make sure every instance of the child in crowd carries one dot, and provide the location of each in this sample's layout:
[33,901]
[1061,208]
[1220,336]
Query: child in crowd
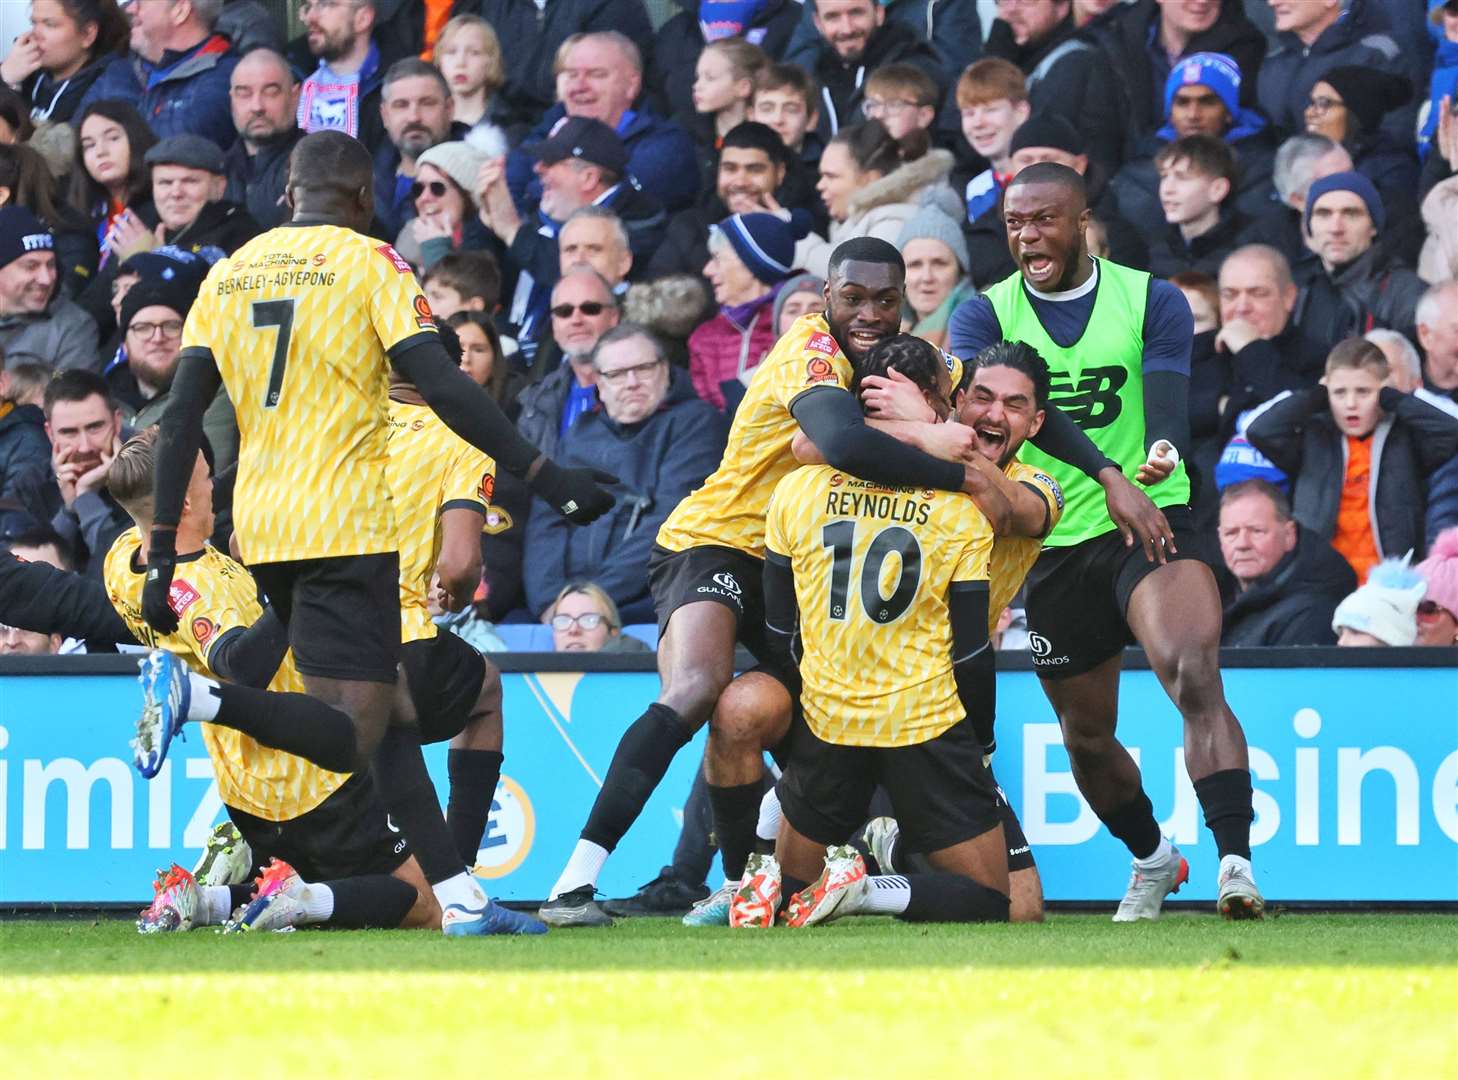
[1359,453]
[724,81]
[903,97]
[1197,177]
[468,54]
[993,98]
[1383,611]
[787,99]
[463,281]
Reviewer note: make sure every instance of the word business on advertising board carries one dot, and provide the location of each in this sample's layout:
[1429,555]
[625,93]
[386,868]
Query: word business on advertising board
[1355,773]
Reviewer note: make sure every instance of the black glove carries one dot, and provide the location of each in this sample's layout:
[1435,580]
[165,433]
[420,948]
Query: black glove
[161,562]
[574,493]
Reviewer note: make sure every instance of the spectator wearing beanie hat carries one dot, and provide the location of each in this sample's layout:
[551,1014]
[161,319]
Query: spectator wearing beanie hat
[936,273]
[1201,97]
[152,316]
[1437,613]
[1361,285]
[165,264]
[1384,610]
[803,294]
[37,324]
[750,256]
[1348,105]
[1052,138]
[446,205]
[1144,41]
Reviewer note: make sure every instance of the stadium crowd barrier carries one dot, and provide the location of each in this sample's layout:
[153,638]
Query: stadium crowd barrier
[1354,754]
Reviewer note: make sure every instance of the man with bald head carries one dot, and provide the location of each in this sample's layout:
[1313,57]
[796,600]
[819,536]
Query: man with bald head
[265,102]
[600,76]
[1267,350]
[1118,347]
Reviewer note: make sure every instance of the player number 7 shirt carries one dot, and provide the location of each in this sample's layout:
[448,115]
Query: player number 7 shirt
[301,322]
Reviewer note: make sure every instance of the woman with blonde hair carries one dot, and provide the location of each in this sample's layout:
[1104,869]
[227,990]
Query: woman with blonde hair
[584,618]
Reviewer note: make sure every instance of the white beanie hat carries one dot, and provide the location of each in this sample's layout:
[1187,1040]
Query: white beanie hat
[461,160]
[1386,606]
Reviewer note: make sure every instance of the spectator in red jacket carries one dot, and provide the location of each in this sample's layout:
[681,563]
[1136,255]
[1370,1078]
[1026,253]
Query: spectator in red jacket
[750,256]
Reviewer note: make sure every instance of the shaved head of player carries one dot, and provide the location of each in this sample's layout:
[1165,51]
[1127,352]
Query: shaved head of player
[1004,401]
[864,294]
[1047,212]
[331,181]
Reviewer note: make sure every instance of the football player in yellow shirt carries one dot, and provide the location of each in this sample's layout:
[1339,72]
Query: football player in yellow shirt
[302,325]
[346,865]
[706,567]
[1002,402]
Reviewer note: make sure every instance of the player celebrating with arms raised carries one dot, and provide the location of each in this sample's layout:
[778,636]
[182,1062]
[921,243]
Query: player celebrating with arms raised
[301,326]
[1118,346]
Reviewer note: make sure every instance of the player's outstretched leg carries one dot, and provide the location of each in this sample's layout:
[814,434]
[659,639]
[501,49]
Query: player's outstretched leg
[1175,615]
[695,664]
[1087,707]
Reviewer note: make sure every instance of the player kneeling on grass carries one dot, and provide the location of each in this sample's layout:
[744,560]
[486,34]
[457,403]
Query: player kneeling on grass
[887,591]
[335,857]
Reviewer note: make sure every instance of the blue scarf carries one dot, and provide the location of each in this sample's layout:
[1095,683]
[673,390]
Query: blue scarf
[727,18]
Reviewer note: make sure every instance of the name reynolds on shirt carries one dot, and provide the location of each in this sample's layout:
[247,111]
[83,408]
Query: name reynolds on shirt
[849,497]
[278,268]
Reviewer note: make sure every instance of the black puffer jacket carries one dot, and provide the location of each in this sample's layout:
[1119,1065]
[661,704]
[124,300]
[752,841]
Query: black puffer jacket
[1140,68]
[1294,603]
[25,460]
[1412,440]
[1368,293]
[257,180]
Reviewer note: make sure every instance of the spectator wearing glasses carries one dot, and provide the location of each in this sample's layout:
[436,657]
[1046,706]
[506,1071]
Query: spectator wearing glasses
[1347,105]
[152,314]
[583,308]
[447,216]
[584,618]
[854,40]
[659,439]
[1437,612]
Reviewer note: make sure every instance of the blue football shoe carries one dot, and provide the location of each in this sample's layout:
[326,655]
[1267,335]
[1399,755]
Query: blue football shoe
[460,921]
[166,694]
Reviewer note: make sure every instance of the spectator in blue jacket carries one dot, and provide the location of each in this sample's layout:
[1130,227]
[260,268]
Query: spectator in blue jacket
[660,440]
[188,68]
[73,54]
[1314,36]
[600,76]
[1443,27]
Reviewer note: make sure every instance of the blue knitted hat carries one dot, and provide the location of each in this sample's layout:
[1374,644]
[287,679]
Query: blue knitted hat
[1216,71]
[1358,185]
[764,243]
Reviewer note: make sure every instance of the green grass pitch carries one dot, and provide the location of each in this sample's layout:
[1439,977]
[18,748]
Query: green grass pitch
[1188,997]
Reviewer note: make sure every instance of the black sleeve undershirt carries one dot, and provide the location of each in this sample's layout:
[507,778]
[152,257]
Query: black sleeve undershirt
[974,663]
[251,656]
[833,421]
[193,389]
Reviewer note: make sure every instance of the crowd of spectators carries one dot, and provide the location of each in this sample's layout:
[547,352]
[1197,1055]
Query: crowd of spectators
[619,213]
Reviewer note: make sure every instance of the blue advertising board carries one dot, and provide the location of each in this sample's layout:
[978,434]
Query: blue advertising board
[1355,772]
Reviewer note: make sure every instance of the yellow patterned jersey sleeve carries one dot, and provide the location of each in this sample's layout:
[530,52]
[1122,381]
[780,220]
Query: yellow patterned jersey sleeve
[729,509]
[300,322]
[1014,556]
[872,567]
[430,469]
[214,596]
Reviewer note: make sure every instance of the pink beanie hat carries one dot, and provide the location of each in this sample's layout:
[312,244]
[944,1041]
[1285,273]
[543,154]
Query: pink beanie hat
[1440,569]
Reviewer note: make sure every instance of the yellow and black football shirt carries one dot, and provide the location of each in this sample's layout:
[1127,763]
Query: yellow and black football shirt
[728,509]
[872,568]
[1014,556]
[431,469]
[301,322]
[212,595]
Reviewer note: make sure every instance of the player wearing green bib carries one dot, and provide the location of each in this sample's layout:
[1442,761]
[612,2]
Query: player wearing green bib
[1118,347]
